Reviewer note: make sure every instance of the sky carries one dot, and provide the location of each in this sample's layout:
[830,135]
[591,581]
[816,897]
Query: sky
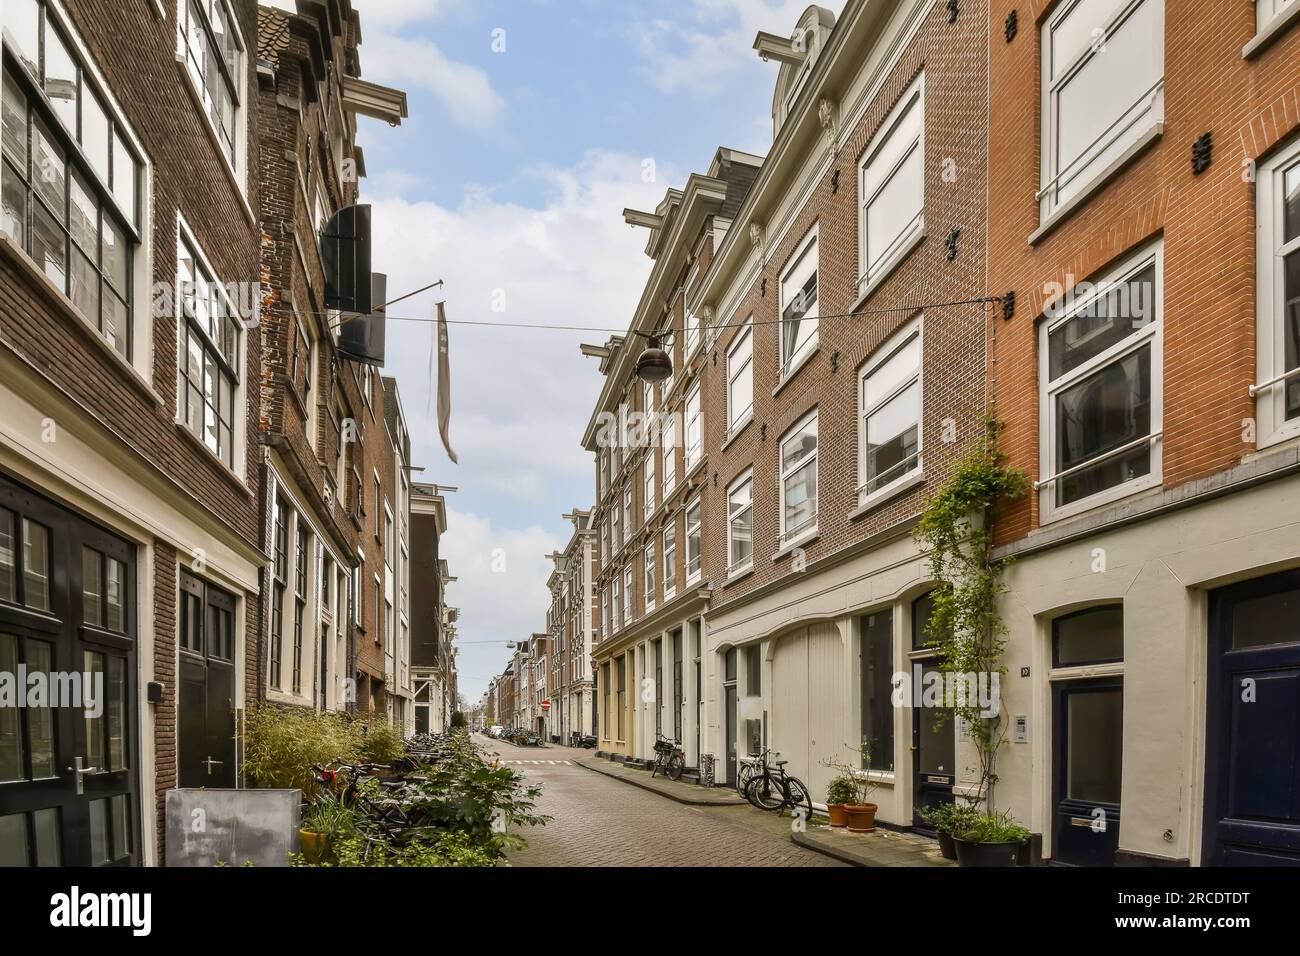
[533,124]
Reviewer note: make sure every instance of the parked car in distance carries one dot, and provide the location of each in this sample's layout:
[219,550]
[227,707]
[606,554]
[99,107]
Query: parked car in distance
[495,730]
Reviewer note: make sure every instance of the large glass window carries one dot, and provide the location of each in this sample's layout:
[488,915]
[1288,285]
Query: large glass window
[650,565]
[740,525]
[694,428]
[1094,636]
[650,484]
[693,542]
[215,60]
[670,455]
[1102,387]
[893,187]
[670,559]
[876,660]
[1278,331]
[210,362]
[799,480]
[740,378]
[889,432]
[628,610]
[799,308]
[68,179]
[1103,89]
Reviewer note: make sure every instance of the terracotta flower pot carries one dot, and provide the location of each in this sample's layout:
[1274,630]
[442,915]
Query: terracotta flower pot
[313,845]
[839,817]
[862,817]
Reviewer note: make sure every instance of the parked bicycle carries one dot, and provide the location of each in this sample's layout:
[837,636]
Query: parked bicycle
[669,758]
[771,788]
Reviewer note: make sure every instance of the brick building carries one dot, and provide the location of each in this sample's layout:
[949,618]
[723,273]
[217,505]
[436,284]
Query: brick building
[571,622]
[1148,384]
[432,621]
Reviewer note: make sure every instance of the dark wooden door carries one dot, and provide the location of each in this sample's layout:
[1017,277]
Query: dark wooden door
[206,703]
[1088,717]
[933,755]
[1252,788]
[68,789]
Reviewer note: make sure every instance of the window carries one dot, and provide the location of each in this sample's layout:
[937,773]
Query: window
[1266,11]
[628,613]
[650,483]
[693,542]
[607,629]
[622,690]
[214,55]
[651,566]
[604,682]
[753,670]
[300,360]
[670,455]
[892,177]
[1278,331]
[604,473]
[877,675]
[281,584]
[301,576]
[1103,90]
[210,363]
[799,480]
[740,378]
[1093,636]
[889,407]
[670,560]
[604,543]
[617,606]
[694,428]
[627,511]
[618,529]
[799,306]
[740,524]
[1101,365]
[68,179]
[692,337]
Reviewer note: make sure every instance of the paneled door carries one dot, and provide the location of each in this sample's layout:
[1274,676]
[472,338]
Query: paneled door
[68,746]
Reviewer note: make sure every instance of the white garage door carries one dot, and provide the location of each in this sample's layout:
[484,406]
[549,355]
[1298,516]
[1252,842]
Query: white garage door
[810,716]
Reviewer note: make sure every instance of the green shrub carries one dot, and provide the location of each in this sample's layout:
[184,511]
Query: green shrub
[382,743]
[281,744]
[841,790]
[994,828]
[951,818]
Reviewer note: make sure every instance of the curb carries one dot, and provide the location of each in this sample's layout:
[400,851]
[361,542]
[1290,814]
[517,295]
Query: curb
[801,840]
[688,800]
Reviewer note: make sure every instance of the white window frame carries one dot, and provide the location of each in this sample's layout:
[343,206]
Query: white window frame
[650,567]
[650,483]
[736,364]
[628,579]
[1271,18]
[695,506]
[871,273]
[691,336]
[1128,131]
[669,556]
[792,363]
[735,568]
[1152,334]
[693,428]
[1270,334]
[809,528]
[627,511]
[670,455]
[238,162]
[913,330]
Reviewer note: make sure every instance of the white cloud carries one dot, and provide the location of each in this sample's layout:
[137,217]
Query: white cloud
[416,63]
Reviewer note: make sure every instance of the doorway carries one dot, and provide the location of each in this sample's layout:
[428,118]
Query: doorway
[205,712]
[68,794]
[1252,786]
[729,693]
[934,747]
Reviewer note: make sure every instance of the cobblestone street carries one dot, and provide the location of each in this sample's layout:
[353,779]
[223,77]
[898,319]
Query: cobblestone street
[599,821]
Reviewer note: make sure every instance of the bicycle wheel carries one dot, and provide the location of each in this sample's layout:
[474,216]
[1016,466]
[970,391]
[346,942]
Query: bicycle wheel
[764,791]
[743,776]
[675,767]
[800,799]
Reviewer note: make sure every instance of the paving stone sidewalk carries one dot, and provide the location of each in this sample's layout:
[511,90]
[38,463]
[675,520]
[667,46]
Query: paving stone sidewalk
[679,790]
[881,847]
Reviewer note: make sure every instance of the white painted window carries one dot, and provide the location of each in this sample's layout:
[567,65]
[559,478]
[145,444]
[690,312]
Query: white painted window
[798,305]
[670,455]
[650,483]
[627,511]
[606,611]
[694,428]
[71,184]
[618,528]
[691,340]
[210,344]
[740,524]
[892,177]
[1103,90]
[651,566]
[627,596]
[604,543]
[740,378]
[889,412]
[693,542]
[213,51]
[1101,370]
[670,559]
[1266,11]
[1278,332]
[799,480]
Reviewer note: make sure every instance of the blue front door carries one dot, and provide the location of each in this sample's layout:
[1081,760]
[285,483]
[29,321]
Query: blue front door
[1252,788]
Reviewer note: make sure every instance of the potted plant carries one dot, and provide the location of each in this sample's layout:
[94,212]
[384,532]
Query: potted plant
[992,839]
[839,793]
[947,820]
[859,811]
[323,822]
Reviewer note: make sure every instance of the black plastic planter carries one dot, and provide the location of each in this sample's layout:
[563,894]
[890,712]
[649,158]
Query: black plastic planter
[947,848]
[986,854]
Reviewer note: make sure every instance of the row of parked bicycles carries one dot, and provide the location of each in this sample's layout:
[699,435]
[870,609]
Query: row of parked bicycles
[762,781]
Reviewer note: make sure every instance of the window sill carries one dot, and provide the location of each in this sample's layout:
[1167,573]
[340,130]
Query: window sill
[804,537]
[736,431]
[1286,435]
[226,470]
[694,579]
[1147,483]
[82,324]
[738,574]
[1084,195]
[1271,31]
[197,97]
[794,369]
[870,285]
[882,495]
